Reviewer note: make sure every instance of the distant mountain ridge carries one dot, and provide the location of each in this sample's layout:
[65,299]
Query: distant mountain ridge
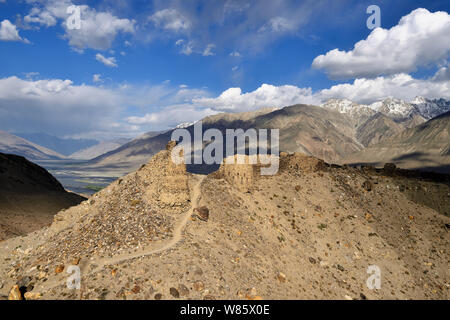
[426,146]
[399,110]
[12,144]
[98,149]
[64,146]
[331,131]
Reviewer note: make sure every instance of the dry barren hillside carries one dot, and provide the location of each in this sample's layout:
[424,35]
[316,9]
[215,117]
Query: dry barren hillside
[29,196]
[424,147]
[311,231]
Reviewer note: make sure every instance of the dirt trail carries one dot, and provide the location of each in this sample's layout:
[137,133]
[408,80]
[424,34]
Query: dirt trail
[177,233]
[99,264]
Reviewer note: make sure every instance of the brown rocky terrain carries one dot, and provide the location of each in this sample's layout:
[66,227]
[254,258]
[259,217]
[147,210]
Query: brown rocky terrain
[309,232]
[425,147]
[29,196]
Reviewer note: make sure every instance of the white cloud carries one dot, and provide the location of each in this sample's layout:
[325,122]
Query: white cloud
[172,115]
[279,24]
[244,26]
[98,29]
[109,62]
[62,108]
[58,106]
[170,19]
[419,39]
[9,32]
[42,17]
[401,86]
[91,111]
[235,54]
[233,100]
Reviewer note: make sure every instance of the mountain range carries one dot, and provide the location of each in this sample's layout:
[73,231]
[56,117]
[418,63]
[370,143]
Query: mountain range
[426,147]
[64,146]
[336,131]
[332,131]
[10,143]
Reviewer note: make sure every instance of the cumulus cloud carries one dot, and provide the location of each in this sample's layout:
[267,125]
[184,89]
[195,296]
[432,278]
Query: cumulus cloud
[9,32]
[98,29]
[419,39]
[109,62]
[233,100]
[401,86]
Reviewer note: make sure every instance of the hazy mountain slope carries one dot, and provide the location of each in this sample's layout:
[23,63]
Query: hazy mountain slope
[425,146]
[12,144]
[309,232]
[29,196]
[308,129]
[133,154]
[331,132]
[98,149]
[377,128]
[62,146]
[311,130]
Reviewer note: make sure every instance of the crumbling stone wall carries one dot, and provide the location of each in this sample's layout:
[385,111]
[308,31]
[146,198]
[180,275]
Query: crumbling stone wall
[241,176]
[171,187]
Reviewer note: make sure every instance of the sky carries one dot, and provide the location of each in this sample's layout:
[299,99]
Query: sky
[114,68]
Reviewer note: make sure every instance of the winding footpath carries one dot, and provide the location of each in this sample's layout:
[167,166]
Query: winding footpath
[99,264]
[166,245]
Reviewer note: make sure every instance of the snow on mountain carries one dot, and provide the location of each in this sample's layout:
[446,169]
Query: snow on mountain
[420,107]
[184,125]
[395,108]
[358,112]
[431,108]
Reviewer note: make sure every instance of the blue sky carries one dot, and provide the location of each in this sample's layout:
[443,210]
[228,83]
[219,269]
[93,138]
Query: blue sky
[136,66]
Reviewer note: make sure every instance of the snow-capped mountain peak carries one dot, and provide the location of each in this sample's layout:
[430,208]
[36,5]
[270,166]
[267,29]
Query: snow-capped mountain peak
[393,107]
[429,108]
[184,125]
